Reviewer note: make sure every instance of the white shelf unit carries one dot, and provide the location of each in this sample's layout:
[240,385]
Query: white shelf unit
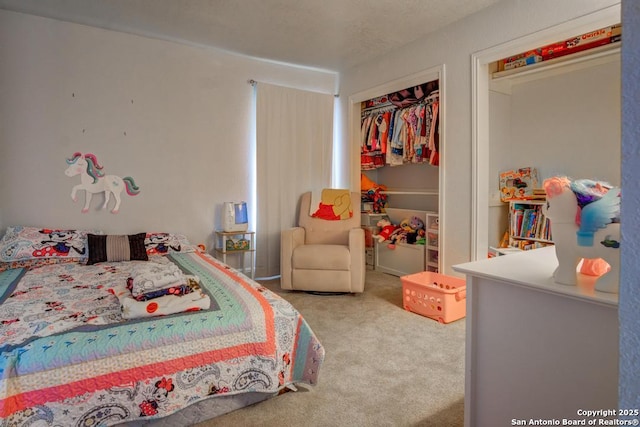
[369,222]
[226,242]
[528,226]
[411,192]
[432,235]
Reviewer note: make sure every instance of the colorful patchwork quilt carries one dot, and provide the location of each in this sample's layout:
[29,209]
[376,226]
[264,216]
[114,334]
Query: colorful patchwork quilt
[67,357]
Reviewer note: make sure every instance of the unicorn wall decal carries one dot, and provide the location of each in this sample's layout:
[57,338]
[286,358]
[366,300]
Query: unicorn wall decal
[585,223]
[93,180]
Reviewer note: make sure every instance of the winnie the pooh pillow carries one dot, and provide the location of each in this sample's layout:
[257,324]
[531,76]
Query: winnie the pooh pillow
[335,204]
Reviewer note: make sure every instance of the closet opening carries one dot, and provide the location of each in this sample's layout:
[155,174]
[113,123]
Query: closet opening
[500,135]
[408,177]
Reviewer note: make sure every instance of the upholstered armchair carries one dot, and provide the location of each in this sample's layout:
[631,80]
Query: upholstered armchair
[323,255]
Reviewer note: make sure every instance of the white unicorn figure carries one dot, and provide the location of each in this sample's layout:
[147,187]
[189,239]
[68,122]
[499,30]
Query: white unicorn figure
[585,223]
[93,180]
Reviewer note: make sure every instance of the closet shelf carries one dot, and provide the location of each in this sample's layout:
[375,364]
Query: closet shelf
[502,81]
[412,191]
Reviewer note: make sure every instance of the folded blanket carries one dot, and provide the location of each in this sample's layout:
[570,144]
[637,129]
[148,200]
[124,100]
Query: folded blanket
[152,276]
[179,289]
[164,305]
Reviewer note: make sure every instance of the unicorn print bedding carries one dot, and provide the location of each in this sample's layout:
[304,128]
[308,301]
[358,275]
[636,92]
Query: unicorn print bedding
[69,357]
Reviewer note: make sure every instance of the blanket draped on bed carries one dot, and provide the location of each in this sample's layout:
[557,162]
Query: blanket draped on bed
[103,373]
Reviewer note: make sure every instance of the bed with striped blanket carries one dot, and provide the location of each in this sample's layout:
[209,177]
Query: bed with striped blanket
[67,357]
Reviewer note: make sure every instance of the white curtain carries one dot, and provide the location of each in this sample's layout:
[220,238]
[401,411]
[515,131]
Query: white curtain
[294,137]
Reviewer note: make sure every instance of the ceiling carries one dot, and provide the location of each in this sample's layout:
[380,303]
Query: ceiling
[325,34]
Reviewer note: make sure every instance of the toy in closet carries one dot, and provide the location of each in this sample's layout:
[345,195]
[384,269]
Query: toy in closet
[401,127]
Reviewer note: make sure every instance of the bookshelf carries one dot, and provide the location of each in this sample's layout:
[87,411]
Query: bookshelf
[528,226]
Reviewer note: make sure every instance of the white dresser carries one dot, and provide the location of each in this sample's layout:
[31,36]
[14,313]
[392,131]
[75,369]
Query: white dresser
[536,349]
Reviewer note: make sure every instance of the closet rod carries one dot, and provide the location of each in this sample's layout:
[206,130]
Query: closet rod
[391,107]
[386,107]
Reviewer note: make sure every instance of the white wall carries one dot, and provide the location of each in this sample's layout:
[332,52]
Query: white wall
[453,47]
[569,124]
[178,119]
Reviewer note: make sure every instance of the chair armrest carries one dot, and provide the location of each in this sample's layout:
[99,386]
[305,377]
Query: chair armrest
[358,267]
[289,240]
[293,237]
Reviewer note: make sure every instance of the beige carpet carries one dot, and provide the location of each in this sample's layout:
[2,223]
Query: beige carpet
[384,366]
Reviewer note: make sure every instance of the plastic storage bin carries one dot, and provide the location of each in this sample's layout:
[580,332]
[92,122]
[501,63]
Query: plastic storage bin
[437,296]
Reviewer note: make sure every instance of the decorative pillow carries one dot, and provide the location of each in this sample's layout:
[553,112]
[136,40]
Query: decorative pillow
[23,243]
[164,243]
[116,248]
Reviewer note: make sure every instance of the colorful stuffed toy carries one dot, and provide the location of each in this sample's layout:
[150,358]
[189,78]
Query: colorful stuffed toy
[404,224]
[367,184]
[373,193]
[417,225]
[386,230]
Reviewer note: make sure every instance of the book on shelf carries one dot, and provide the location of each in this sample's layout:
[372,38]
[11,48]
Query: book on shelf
[516,221]
[529,222]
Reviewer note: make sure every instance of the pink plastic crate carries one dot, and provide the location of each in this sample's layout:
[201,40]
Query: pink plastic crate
[437,296]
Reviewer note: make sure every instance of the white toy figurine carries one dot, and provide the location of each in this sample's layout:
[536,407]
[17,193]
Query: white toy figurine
[585,223]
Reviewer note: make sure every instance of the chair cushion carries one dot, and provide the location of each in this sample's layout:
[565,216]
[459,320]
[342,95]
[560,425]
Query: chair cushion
[321,257]
[322,280]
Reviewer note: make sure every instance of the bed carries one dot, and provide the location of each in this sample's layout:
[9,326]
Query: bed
[73,353]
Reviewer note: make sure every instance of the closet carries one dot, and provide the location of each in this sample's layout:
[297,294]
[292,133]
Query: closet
[400,154]
[561,116]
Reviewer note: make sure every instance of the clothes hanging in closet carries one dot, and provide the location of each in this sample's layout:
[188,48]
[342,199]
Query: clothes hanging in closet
[394,136]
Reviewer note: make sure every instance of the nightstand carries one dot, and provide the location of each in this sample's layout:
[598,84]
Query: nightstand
[236,243]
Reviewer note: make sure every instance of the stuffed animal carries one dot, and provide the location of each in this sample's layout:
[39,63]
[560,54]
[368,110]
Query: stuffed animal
[386,230]
[367,184]
[398,236]
[379,200]
[417,225]
[405,225]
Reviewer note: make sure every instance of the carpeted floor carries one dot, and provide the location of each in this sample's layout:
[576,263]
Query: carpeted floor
[384,366]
